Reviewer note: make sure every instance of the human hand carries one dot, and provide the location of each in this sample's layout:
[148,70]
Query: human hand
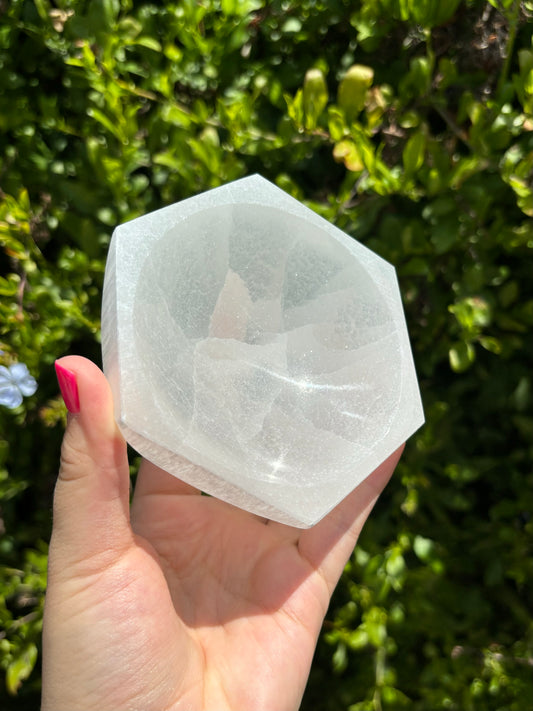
[181,601]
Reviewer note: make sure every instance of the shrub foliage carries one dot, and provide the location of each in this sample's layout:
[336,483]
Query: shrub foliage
[409,124]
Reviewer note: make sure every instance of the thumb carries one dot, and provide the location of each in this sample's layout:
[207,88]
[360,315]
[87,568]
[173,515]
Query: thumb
[91,499]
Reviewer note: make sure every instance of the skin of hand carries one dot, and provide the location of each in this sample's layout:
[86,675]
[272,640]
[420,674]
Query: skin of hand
[179,601]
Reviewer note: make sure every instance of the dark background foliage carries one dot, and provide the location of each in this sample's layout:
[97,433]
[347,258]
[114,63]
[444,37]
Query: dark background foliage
[409,124]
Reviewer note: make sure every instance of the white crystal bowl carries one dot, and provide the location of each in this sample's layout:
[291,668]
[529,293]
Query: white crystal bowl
[248,335]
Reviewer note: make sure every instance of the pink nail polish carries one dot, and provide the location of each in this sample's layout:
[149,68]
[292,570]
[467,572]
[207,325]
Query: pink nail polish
[69,388]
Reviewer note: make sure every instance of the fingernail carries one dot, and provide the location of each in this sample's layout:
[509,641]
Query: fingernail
[69,388]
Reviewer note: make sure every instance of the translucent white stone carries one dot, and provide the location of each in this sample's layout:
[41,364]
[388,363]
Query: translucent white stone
[248,335]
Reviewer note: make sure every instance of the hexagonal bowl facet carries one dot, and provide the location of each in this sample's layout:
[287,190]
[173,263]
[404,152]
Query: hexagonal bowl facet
[244,333]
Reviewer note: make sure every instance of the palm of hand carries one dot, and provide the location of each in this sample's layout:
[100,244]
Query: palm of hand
[184,602]
[234,598]
[204,606]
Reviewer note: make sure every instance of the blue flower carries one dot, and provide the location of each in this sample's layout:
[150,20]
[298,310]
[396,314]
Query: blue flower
[15,382]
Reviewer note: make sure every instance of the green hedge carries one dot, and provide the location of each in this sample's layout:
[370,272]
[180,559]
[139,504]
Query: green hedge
[409,124]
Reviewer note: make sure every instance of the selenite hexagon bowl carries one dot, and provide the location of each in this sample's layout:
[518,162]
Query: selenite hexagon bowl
[246,334]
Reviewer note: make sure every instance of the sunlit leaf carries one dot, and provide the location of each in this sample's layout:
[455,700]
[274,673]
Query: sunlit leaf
[353,89]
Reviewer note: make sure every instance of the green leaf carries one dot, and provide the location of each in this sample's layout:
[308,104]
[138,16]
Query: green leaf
[106,122]
[431,13]
[314,97]
[375,626]
[340,658]
[423,548]
[358,639]
[353,90]
[395,565]
[292,24]
[472,313]
[414,152]
[461,356]
[336,124]
[417,82]
[41,9]
[501,4]
[444,236]
[394,698]
[239,7]
[149,43]
[346,152]
[491,344]
[295,108]
[20,669]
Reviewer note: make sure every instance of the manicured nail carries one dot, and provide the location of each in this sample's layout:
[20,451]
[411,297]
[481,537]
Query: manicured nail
[69,388]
